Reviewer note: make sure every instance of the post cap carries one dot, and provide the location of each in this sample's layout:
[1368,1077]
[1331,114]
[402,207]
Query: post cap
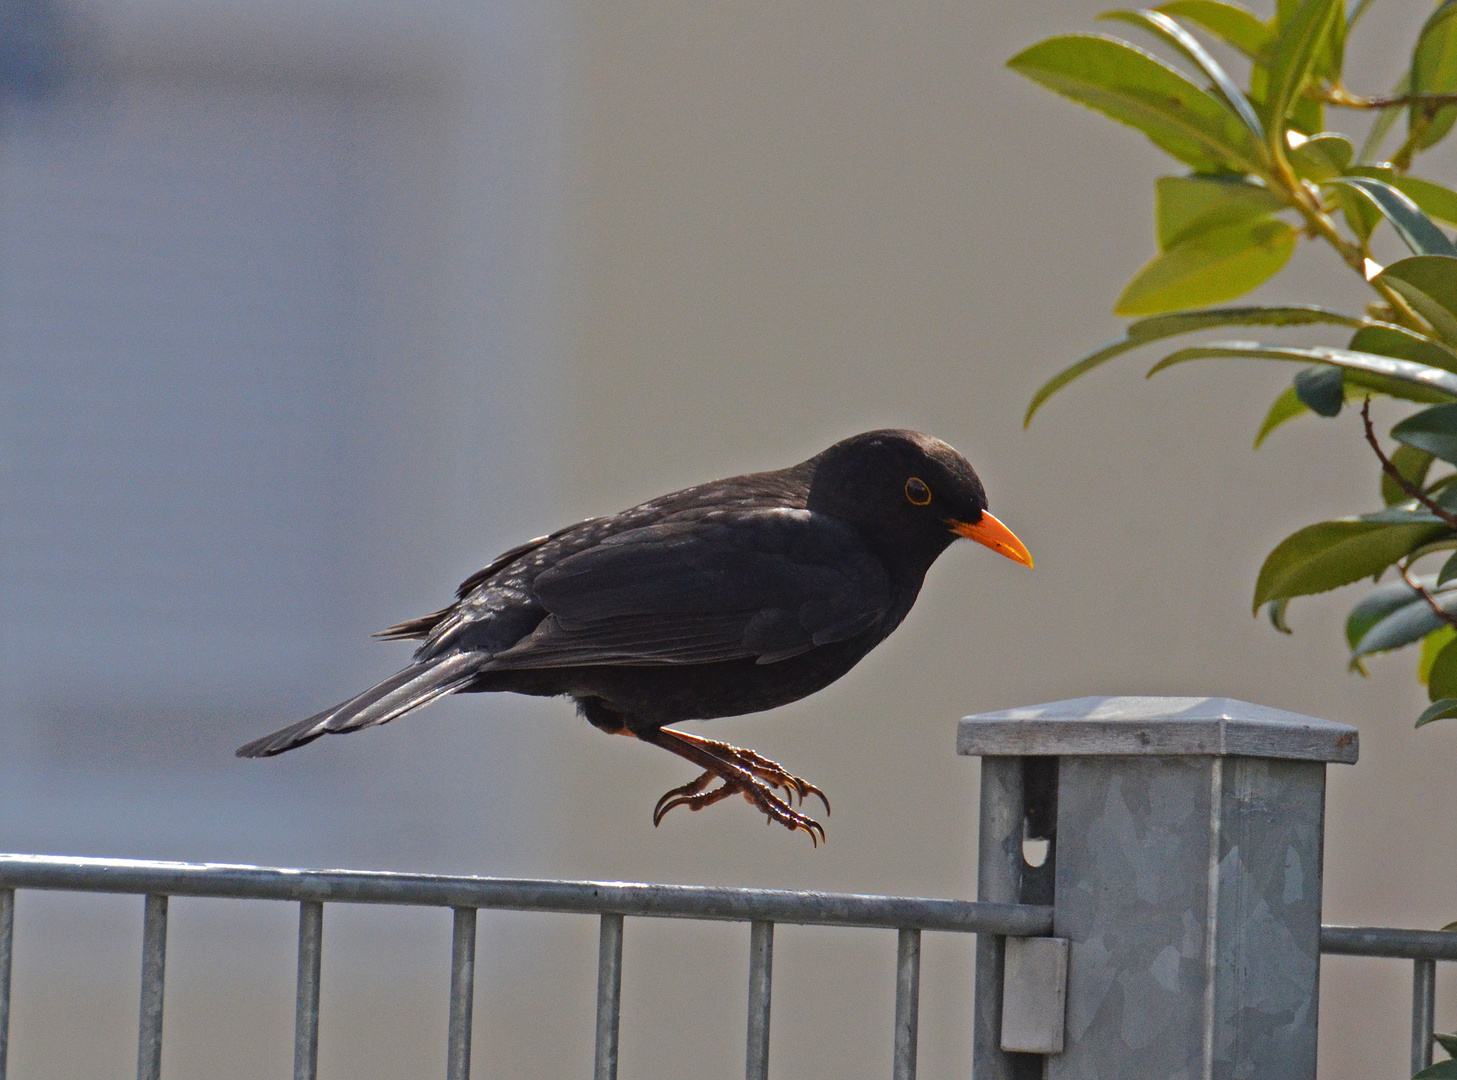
[1167,726]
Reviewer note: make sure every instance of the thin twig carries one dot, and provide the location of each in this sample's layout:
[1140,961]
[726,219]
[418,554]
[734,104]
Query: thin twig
[1401,481]
[1417,587]
[1343,100]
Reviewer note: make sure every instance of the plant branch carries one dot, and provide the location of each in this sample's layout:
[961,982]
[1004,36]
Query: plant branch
[1342,99]
[1421,590]
[1396,477]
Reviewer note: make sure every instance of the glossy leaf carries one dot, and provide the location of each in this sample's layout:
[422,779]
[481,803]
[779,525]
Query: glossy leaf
[1210,267]
[1435,200]
[1432,646]
[1442,675]
[1433,430]
[1320,157]
[1231,23]
[1138,89]
[1406,217]
[1376,605]
[1413,464]
[1225,88]
[1419,376]
[1335,553]
[1387,339]
[1160,327]
[1434,69]
[1438,710]
[1322,389]
[1429,284]
[1304,33]
[1411,622]
[1187,205]
[1285,407]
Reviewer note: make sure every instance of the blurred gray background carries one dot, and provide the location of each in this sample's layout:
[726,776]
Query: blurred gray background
[308,309]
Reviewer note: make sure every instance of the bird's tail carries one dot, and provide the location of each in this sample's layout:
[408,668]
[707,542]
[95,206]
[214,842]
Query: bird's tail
[418,684]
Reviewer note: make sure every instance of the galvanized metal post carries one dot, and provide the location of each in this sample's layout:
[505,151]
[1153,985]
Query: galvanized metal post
[907,1003]
[609,997]
[761,981]
[1423,1012]
[154,973]
[306,1003]
[7,946]
[462,993]
[1187,879]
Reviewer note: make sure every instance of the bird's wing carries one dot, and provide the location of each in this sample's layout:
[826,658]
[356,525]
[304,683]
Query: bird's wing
[721,585]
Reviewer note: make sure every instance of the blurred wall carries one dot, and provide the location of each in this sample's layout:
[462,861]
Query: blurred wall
[556,262]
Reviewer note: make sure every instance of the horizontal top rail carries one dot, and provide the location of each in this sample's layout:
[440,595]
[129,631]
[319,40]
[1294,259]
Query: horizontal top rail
[1389,941]
[621,898]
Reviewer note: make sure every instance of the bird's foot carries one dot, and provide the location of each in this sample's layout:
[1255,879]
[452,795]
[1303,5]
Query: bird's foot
[771,772]
[743,772]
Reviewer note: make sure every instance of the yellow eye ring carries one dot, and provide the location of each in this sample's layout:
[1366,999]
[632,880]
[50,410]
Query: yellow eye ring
[917,493]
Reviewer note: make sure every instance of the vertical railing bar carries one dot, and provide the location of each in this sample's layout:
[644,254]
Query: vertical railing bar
[761,979]
[154,975]
[7,944]
[306,1008]
[609,997]
[462,993]
[1423,1012]
[907,1002]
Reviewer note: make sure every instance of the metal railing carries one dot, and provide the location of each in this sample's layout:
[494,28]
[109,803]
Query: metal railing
[611,901]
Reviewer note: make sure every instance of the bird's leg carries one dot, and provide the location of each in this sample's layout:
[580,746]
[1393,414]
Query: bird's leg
[736,776]
[771,772]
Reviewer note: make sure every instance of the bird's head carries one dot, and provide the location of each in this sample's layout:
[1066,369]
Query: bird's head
[911,493]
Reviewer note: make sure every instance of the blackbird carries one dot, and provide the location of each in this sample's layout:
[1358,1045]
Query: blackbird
[727,598]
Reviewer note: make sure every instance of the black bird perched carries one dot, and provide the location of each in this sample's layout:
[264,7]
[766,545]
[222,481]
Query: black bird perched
[727,598]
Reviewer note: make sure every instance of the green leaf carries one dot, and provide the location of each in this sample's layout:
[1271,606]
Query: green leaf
[1140,90]
[1435,200]
[1442,1070]
[1187,205]
[1276,610]
[1231,23]
[1429,284]
[1376,605]
[1434,69]
[1443,384]
[1388,339]
[1438,710]
[1433,430]
[1442,672]
[1304,32]
[1413,464]
[1285,407]
[1145,331]
[1406,217]
[1447,1042]
[1412,621]
[1335,553]
[1225,88]
[1432,646]
[1319,157]
[1210,267]
[1323,389]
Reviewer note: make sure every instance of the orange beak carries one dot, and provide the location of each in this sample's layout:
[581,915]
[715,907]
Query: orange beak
[995,535]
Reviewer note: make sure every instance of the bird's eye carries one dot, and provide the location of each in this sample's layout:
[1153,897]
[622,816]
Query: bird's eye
[917,493]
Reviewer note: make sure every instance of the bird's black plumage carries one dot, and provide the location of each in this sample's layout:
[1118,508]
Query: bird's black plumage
[731,597]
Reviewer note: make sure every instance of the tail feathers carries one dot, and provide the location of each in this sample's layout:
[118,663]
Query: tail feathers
[402,692]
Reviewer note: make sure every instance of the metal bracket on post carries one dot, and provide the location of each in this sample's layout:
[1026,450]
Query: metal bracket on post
[1034,995]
